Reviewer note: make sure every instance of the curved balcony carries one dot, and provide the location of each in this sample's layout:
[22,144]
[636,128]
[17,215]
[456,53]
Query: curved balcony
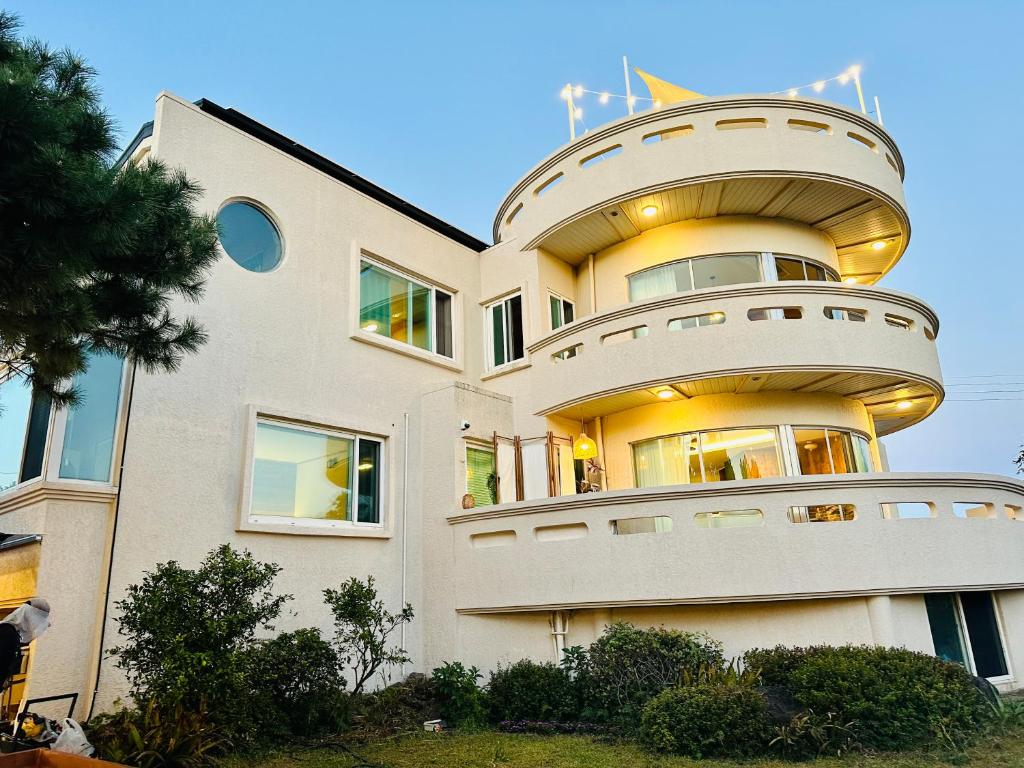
[809,161]
[621,358]
[565,553]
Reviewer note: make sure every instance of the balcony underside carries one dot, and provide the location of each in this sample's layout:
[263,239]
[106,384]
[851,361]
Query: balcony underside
[881,392]
[853,217]
[564,553]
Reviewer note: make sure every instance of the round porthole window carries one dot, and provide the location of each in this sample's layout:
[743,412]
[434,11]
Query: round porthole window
[249,236]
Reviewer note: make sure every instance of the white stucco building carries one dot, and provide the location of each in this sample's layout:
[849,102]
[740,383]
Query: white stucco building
[697,288]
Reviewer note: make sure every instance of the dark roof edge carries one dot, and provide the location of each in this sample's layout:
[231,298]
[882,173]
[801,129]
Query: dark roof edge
[261,132]
[15,540]
[144,133]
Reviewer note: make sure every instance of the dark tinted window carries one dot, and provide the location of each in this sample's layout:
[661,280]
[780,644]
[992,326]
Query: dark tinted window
[249,237]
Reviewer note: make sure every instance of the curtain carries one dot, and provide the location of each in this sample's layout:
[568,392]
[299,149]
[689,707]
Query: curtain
[653,282]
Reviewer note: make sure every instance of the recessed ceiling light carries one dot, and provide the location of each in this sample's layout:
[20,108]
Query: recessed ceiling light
[878,245]
[904,405]
[666,394]
[649,210]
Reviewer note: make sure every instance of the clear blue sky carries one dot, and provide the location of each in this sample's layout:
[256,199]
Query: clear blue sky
[448,104]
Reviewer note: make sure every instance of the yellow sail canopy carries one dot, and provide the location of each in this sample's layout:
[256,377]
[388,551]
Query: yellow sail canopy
[665,92]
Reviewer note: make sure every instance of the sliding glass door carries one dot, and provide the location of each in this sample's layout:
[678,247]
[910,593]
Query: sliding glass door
[965,629]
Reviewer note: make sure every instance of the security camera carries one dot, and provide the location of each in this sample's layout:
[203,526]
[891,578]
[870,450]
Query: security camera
[463,425]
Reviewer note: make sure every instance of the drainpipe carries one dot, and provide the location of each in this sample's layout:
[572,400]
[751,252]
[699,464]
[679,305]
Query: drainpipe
[559,623]
[405,511]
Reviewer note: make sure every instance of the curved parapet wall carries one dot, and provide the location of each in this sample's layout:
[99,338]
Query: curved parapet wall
[514,557]
[809,161]
[748,338]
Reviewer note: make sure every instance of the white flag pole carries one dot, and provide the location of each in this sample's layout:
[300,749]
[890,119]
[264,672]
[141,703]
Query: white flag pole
[629,92]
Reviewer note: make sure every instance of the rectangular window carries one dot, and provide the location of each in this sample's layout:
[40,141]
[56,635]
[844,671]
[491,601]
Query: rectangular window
[696,321]
[792,268]
[831,451]
[713,271]
[319,477]
[505,319]
[708,457]
[481,477]
[629,526]
[562,311]
[739,518]
[965,629]
[90,426]
[15,428]
[844,313]
[405,310]
[823,513]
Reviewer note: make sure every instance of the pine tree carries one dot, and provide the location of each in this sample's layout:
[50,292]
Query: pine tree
[91,255]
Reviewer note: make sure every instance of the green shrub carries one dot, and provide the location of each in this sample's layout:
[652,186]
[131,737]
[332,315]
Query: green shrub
[531,691]
[460,698]
[808,735]
[397,709]
[895,698]
[186,633]
[155,737]
[363,628]
[706,720]
[295,686]
[627,666]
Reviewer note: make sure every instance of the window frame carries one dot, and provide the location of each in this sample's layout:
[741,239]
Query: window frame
[483,448]
[562,302]
[756,255]
[961,619]
[699,434]
[6,378]
[406,346]
[831,275]
[489,346]
[794,449]
[314,526]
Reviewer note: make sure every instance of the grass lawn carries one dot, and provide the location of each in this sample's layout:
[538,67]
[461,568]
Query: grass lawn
[498,750]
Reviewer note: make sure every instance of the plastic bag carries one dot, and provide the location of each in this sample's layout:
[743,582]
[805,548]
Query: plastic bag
[72,739]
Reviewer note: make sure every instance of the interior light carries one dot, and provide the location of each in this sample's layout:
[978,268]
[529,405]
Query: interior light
[666,394]
[649,210]
[878,245]
[365,466]
[716,317]
[850,280]
[904,405]
[371,327]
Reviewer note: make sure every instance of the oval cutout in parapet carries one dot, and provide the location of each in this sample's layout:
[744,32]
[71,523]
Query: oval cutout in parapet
[564,532]
[492,539]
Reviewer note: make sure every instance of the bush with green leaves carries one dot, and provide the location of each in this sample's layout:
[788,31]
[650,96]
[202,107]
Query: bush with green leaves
[895,699]
[363,627]
[461,698]
[397,709]
[706,720]
[186,633]
[295,686]
[808,735]
[627,666]
[153,736]
[528,690]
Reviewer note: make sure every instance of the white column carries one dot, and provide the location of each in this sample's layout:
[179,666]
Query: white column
[883,628]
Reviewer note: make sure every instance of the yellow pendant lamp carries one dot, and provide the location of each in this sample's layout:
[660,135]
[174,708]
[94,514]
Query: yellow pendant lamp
[583,447]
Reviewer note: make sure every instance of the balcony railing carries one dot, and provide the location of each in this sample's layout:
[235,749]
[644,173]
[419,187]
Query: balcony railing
[757,329]
[576,551]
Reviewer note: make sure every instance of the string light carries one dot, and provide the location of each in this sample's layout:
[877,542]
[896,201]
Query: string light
[570,92]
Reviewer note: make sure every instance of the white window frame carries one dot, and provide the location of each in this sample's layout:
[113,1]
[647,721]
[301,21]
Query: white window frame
[477,445]
[562,301]
[699,434]
[58,427]
[489,330]
[966,636]
[312,526]
[792,455]
[769,267]
[434,289]
[759,255]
